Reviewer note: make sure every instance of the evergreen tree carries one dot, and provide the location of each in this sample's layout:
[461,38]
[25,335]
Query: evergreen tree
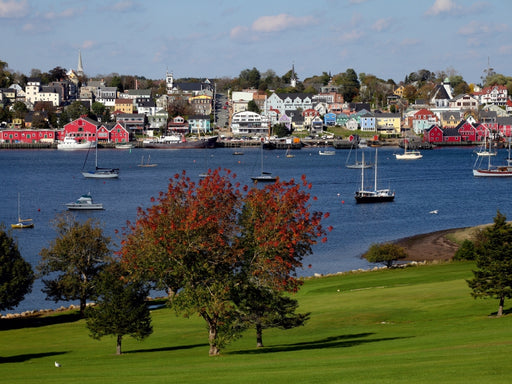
[16,275]
[493,277]
[120,308]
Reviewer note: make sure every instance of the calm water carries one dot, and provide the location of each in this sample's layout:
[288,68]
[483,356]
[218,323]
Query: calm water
[442,180]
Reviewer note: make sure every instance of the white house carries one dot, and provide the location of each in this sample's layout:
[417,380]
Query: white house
[249,124]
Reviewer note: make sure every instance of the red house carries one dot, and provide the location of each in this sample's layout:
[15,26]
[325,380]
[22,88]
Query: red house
[119,134]
[28,136]
[467,131]
[82,128]
[434,134]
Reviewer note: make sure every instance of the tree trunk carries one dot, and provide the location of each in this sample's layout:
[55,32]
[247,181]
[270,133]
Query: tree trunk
[82,306]
[259,335]
[212,339]
[502,303]
[118,347]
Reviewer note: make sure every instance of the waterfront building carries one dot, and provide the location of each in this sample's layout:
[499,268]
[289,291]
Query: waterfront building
[249,124]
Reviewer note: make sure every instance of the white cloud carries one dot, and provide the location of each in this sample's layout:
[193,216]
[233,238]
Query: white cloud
[87,44]
[280,22]
[442,6]
[270,24]
[13,8]
[65,13]
[382,24]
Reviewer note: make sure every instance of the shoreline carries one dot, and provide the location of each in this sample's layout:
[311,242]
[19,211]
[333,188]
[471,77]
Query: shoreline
[424,247]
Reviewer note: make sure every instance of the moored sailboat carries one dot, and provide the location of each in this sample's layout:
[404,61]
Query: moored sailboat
[376,195]
[99,172]
[22,223]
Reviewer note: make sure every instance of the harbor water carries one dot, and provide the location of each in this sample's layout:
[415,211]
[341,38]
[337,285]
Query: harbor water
[442,180]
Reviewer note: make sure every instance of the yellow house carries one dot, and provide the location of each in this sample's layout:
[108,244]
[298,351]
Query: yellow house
[18,122]
[124,105]
[450,119]
[399,91]
[387,122]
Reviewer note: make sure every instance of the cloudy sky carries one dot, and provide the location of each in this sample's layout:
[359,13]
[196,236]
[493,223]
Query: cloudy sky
[220,38]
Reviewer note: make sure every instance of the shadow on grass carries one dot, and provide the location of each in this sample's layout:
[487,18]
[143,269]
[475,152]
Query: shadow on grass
[342,341]
[38,321]
[505,312]
[28,356]
[167,349]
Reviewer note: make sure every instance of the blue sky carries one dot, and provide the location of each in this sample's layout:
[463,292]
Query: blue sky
[219,38]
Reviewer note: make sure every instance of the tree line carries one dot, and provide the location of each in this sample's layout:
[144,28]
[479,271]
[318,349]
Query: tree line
[226,252]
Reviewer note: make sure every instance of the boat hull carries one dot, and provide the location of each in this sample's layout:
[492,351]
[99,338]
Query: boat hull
[198,144]
[84,207]
[75,146]
[22,225]
[497,172]
[101,174]
[373,198]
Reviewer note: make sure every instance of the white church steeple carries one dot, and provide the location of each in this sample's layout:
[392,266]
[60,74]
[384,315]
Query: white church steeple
[80,68]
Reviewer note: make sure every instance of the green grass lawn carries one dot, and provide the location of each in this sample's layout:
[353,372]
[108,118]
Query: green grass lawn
[412,325]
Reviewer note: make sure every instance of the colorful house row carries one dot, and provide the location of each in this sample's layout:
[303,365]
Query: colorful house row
[82,128]
[466,132]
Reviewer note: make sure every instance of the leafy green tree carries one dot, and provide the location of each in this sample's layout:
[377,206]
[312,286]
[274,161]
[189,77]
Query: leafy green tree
[493,276]
[74,259]
[16,275]
[120,307]
[280,130]
[19,110]
[386,253]
[349,83]
[249,78]
[466,251]
[75,110]
[253,107]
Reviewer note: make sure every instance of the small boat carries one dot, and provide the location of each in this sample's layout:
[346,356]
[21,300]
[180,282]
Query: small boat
[289,154]
[71,144]
[264,177]
[22,223]
[84,203]
[180,142]
[326,153]
[486,149]
[238,153]
[124,146]
[147,164]
[408,155]
[376,195]
[98,172]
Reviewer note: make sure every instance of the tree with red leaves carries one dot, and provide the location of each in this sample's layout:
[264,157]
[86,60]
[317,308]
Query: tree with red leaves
[203,240]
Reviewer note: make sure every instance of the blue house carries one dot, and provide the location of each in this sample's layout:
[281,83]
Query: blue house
[330,119]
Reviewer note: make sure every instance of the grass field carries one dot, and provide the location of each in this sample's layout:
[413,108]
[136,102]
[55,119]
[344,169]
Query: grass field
[412,325]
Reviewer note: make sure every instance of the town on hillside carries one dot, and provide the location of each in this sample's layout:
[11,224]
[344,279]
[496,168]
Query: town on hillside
[74,108]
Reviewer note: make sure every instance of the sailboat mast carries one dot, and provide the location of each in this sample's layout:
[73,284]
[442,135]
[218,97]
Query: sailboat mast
[362,174]
[375,169]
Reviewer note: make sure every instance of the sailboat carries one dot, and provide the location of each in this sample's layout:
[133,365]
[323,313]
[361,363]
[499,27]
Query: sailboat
[504,170]
[408,155]
[99,173]
[486,148]
[264,177]
[356,164]
[376,195]
[288,153]
[148,163]
[22,223]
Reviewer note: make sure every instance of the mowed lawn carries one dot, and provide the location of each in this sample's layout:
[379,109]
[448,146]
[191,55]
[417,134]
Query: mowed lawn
[412,325]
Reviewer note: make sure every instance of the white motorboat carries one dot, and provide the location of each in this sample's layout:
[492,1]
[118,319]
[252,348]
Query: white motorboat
[84,203]
[70,144]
